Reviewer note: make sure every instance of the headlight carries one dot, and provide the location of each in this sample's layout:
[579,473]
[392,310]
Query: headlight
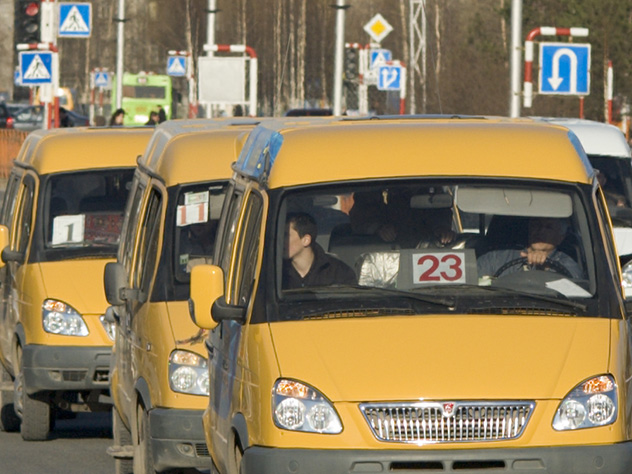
[110,328]
[60,318]
[297,407]
[592,403]
[188,373]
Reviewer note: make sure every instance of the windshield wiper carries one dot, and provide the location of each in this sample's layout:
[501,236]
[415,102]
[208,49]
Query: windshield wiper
[511,292]
[435,300]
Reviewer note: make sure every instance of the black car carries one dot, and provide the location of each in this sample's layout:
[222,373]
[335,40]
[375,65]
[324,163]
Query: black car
[6,119]
[28,117]
[31,117]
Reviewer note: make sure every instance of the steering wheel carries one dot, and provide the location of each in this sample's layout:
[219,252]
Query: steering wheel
[548,263]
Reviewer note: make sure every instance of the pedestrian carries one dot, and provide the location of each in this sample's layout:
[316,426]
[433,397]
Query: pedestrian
[153,119]
[64,118]
[162,115]
[117,118]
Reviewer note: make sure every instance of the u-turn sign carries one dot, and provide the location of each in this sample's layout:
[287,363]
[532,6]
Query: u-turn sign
[564,68]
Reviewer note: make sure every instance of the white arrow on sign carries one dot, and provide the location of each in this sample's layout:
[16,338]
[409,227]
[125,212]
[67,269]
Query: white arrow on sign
[555,80]
[389,77]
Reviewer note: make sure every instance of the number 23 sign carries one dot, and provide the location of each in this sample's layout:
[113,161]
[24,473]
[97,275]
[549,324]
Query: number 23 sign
[442,267]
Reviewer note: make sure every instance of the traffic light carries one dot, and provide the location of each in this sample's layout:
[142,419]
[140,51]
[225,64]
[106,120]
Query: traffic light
[351,63]
[27,21]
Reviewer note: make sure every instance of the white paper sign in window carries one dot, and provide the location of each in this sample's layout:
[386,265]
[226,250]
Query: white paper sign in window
[192,214]
[68,229]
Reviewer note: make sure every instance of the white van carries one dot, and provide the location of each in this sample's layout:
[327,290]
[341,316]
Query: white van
[609,153]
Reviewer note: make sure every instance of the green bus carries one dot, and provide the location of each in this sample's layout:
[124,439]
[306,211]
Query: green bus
[142,94]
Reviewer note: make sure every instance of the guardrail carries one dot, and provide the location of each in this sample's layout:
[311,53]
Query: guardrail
[10,143]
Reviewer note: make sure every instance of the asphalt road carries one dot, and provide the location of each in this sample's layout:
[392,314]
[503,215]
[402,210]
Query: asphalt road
[76,446]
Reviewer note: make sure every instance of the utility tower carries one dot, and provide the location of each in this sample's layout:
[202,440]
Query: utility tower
[417,52]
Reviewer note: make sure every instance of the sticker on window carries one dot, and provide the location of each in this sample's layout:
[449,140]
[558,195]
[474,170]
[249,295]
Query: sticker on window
[195,198]
[192,214]
[68,229]
[419,268]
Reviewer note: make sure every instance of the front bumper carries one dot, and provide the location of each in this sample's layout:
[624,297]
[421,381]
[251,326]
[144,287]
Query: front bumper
[610,459]
[65,368]
[177,439]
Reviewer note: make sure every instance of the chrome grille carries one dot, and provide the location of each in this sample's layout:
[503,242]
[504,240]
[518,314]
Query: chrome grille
[447,422]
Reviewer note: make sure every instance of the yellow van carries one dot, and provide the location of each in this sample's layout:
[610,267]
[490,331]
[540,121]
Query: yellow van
[159,377]
[59,225]
[415,294]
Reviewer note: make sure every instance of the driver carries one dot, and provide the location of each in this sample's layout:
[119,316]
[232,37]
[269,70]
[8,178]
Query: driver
[545,235]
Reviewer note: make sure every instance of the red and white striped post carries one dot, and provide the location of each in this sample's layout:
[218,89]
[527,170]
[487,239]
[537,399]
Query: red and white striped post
[54,80]
[609,92]
[193,104]
[242,48]
[528,54]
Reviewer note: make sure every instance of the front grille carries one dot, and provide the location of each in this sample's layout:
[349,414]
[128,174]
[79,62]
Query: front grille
[102,375]
[201,450]
[74,375]
[447,422]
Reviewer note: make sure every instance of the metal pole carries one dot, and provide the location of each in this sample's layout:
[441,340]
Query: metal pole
[339,53]
[210,27]
[120,49]
[516,57]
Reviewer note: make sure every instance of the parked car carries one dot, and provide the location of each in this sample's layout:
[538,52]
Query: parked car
[160,390]
[426,360]
[28,117]
[609,153]
[6,120]
[59,225]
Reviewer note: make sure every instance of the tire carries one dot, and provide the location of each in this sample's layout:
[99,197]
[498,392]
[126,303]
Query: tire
[9,420]
[238,457]
[143,454]
[121,437]
[34,411]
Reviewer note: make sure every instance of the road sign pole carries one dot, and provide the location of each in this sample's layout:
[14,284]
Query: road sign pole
[120,51]
[339,54]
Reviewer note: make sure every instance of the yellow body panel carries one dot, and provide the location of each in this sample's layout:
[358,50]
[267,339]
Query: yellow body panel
[69,149]
[161,328]
[423,148]
[73,282]
[516,356]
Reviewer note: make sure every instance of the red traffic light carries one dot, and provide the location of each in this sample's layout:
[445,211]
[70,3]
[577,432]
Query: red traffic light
[32,8]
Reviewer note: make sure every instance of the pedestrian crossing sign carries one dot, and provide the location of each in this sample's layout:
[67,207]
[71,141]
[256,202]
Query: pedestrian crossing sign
[36,67]
[176,66]
[75,20]
[102,79]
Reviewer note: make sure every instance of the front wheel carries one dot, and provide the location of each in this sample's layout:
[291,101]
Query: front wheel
[34,411]
[121,436]
[9,420]
[143,454]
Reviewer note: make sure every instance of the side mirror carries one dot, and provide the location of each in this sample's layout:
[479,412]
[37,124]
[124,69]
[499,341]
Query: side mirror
[207,285]
[114,280]
[111,316]
[4,242]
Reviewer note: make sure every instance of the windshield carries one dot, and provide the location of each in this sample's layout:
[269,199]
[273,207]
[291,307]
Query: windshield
[615,177]
[196,218]
[85,209]
[427,246]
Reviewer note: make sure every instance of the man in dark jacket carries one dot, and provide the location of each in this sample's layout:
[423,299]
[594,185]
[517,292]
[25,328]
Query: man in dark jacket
[306,262]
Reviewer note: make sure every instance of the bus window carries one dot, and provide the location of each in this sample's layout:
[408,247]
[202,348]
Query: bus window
[143,94]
